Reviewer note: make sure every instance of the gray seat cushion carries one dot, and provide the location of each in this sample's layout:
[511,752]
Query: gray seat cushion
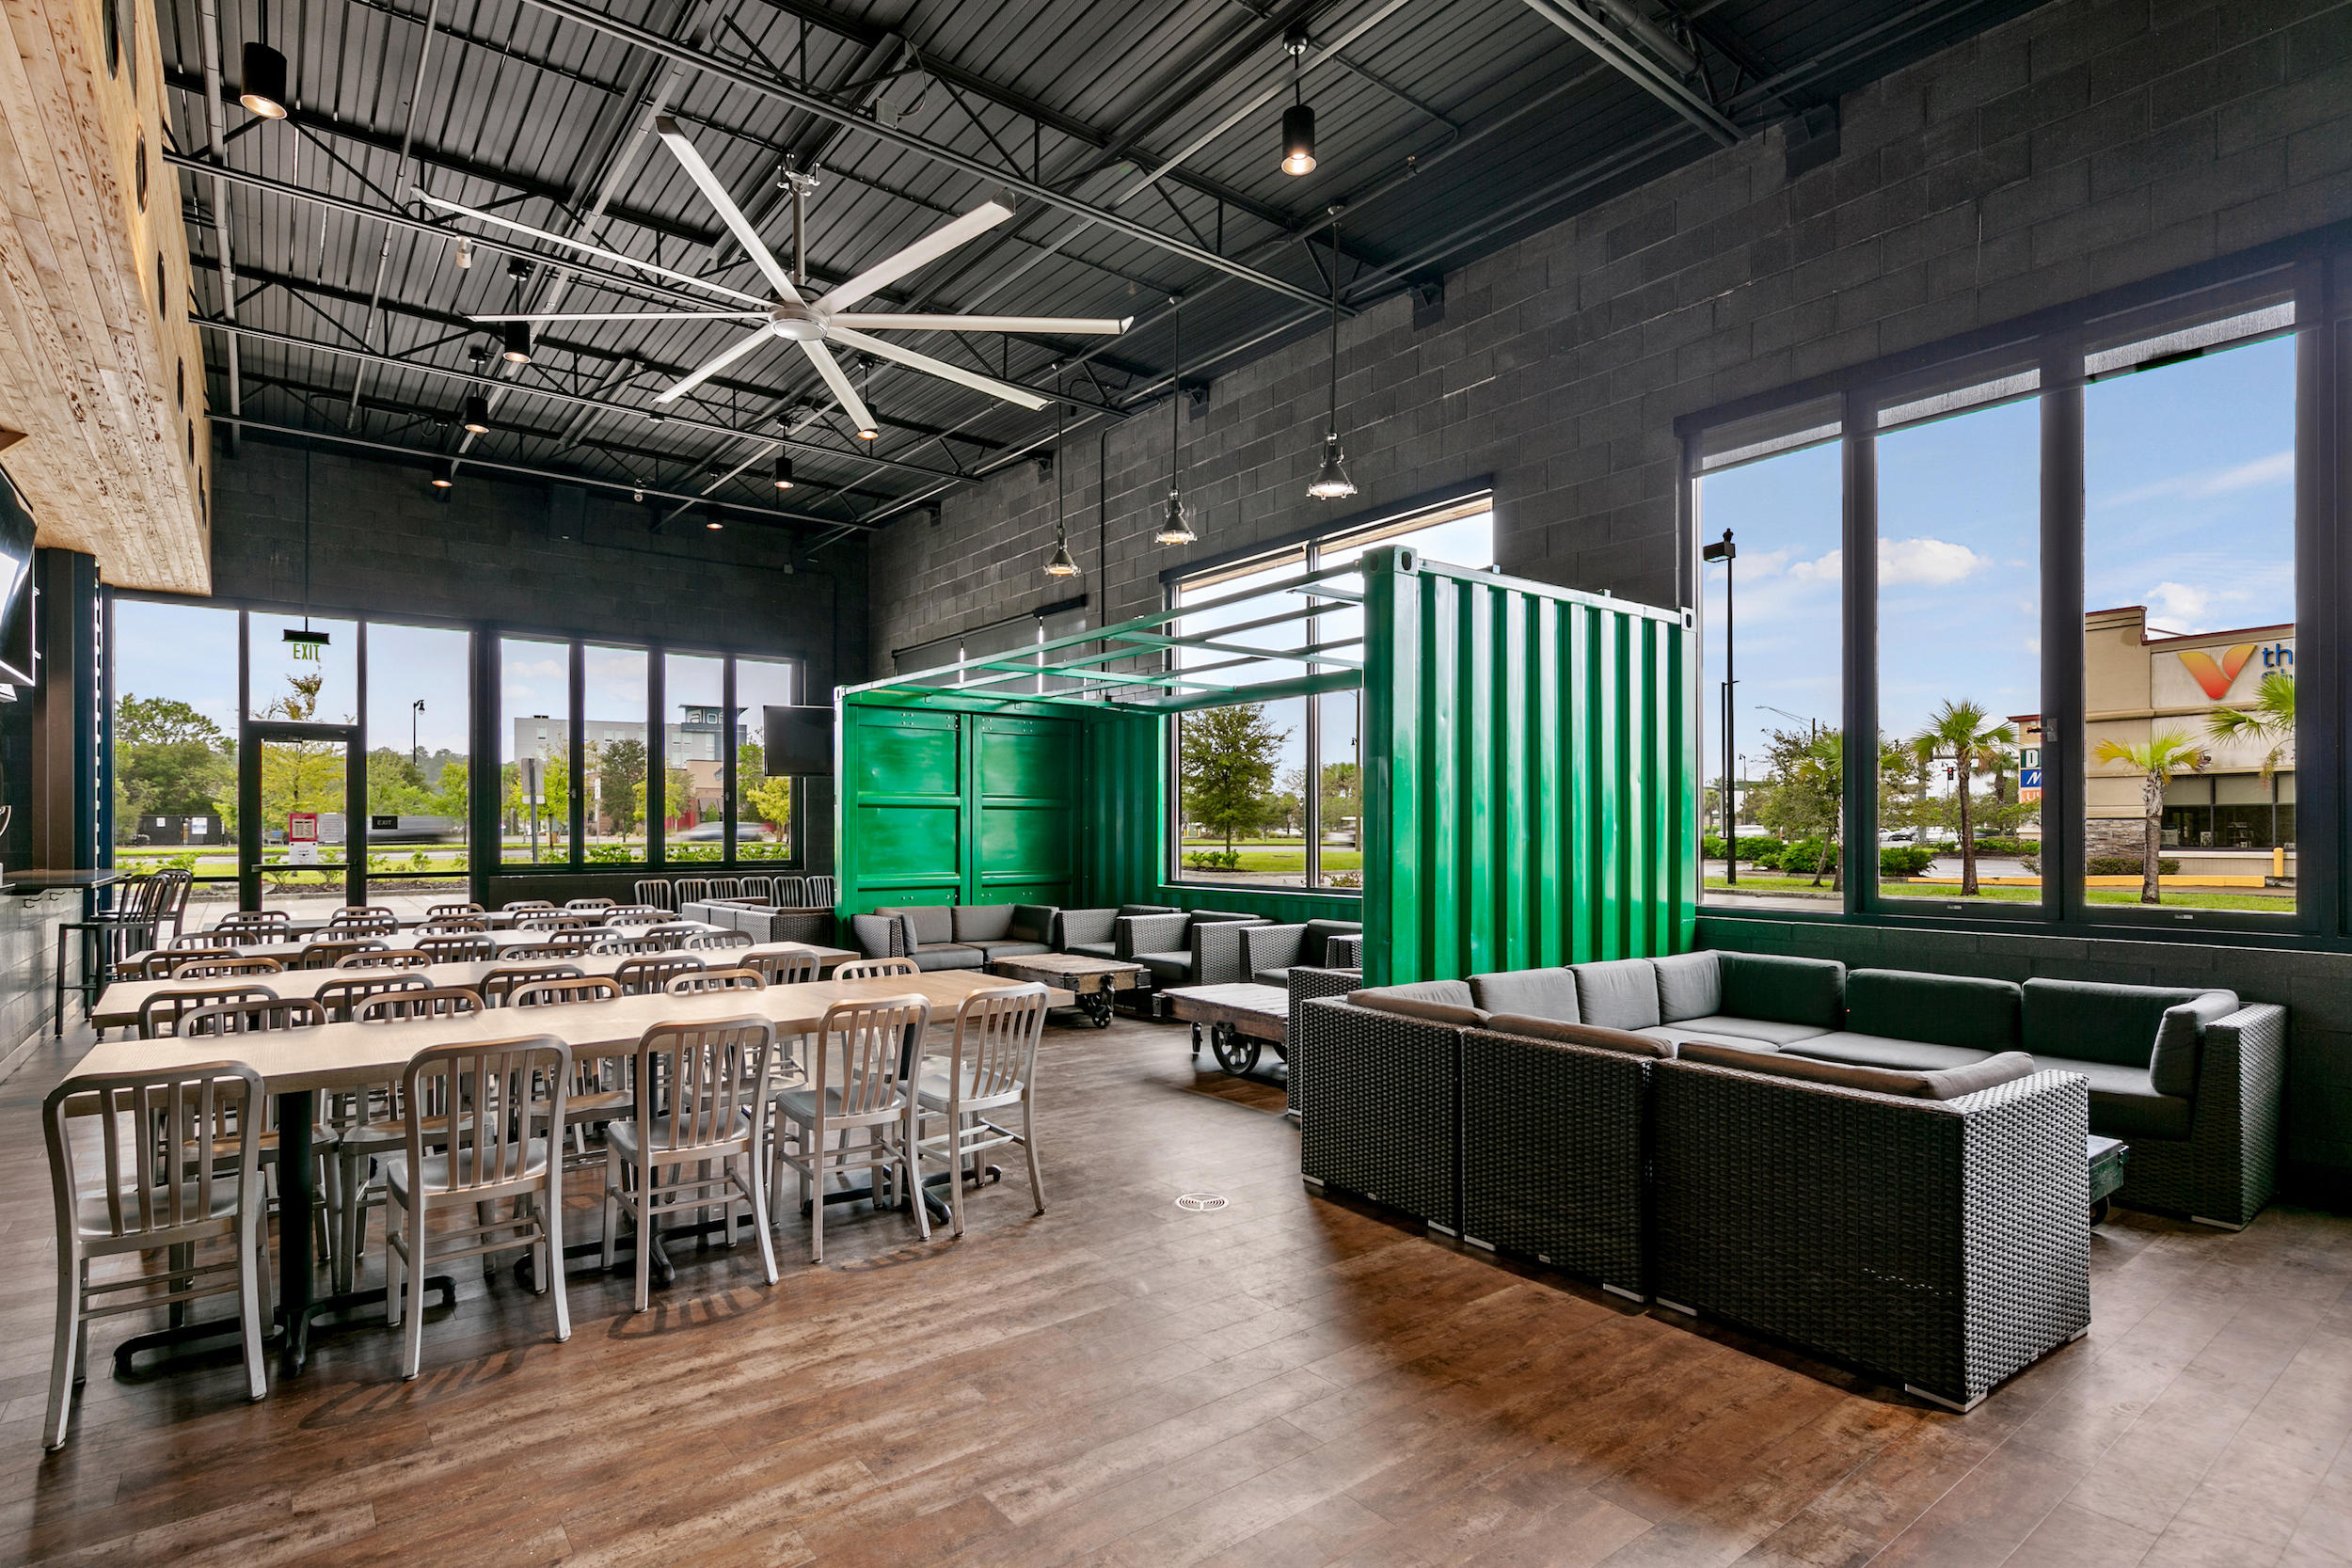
[1880,1051]
[2125,1103]
[1589,1036]
[1940,1009]
[1169,969]
[1273,978]
[1946,1083]
[1434,1000]
[948,956]
[1094,949]
[1532,992]
[1621,993]
[1682,1034]
[1009,947]
[1765,1030]
[1689,985]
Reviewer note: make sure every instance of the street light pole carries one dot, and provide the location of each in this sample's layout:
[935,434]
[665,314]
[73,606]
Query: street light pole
[1726,552]
[416,753]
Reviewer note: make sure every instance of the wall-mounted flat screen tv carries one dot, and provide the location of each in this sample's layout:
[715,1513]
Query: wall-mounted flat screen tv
[16,588]
[799,742]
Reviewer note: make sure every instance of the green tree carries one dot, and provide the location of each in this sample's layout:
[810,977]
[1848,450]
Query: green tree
[1801,795]
[169,761]
[1227,758]
[1342,798]
[452,796]
[2270,718]
[620,783]
[395,787]
[771,801]
[2155,760]
[1958,734]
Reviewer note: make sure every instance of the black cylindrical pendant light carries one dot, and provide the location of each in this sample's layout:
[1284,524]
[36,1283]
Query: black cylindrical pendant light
[477,421]
[518,343]
[784,470]
[444,474]
[263,87]
[1299,120]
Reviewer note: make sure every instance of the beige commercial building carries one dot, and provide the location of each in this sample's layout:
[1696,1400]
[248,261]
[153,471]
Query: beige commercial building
[2222,817]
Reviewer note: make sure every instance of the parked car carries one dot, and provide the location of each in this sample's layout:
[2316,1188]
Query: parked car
[712,833]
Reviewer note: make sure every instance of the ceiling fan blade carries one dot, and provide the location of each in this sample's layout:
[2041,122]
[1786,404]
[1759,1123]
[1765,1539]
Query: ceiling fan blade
[687,278]
[713,365]
[732,215]
[931,247]
[940,367]
[829,368]
[629,316]
[1098,327]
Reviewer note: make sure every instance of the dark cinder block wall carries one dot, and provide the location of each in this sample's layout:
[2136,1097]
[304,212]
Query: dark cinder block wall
[2086,145]
[381,544]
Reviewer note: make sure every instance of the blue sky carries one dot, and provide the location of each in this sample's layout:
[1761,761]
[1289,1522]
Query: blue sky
[2188,509]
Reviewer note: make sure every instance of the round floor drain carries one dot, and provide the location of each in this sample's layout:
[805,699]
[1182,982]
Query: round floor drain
[1201,1203]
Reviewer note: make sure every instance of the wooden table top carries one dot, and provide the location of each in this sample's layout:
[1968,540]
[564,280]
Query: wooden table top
[1262,1011]
[118,1004]
[339,1056]
[499,939]
[1073,965]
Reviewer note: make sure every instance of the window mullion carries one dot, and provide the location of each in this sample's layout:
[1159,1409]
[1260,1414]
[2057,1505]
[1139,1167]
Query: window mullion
[2063,757]
[1860,529]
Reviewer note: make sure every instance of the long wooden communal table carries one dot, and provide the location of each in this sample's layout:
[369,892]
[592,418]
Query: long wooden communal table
[295,1064]
[502,940]
[118,1007]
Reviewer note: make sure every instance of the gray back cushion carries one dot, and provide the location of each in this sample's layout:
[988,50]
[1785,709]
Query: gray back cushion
[1536,993]
[1435,1001]
[1621,993]
[1584,1035]
[934,924]
[2181,1037]
[1315,940]
[1032,923]
[1784,991]
[1126,910]
[1689,985]
[1940,1009]
[1945,1084]
[983,922]
[2090,1021]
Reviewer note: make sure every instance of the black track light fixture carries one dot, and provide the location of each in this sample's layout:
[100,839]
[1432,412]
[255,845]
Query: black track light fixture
[477,421]
[517,342]
[784,470]
[1299,120]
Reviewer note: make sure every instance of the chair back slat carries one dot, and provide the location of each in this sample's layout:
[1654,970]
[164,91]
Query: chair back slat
[760,889]
[562,992]
[249,920]
[339,997]
[782,969]
[819,893]
[995,1044]
[788,893]
[454,924]
[159,1135]
[441,912]
[159,966]
[710,940]
[880,1041]
[330,951]
[386,957]
[253,1015]
[512,905]
[160,1014]
[476,1104]
[407,1007]
[712,1071]
[501,983]
[622,945]
[643,976]
[654,892]
[694,982]
[454,949]
[690,890]
[635,914]
[591,904]
[875,969]
[201,942]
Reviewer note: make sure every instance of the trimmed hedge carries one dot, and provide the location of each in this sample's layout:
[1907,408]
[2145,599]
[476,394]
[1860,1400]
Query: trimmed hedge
[2129,866]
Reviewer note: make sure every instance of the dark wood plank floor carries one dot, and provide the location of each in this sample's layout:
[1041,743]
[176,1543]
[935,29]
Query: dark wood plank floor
[1283,1381]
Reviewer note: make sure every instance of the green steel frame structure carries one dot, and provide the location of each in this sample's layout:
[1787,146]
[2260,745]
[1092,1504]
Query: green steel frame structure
[1530,784]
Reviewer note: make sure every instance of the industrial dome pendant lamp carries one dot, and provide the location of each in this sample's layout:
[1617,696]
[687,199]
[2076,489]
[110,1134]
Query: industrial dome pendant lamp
[1331,482]
[1061,564]
[263,87]
[1176,526]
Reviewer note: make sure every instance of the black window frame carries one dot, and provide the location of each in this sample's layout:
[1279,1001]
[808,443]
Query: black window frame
[2302,268]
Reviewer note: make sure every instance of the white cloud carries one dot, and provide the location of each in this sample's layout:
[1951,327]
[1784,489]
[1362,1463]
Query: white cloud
[2261,473]
[1830,568]
[1927,562]
[2177,607]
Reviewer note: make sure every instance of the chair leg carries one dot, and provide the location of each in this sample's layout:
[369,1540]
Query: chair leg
[412,1353]
[816,1196]
[61,1357]
[911,1161]
[1028,1147]
[250,1304]
[393,1265]
[954,1170]
[756,1188]
[551,1245]
[611,1202]
[644,1237]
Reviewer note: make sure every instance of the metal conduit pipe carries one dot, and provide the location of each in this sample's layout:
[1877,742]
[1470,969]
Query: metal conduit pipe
[215,137]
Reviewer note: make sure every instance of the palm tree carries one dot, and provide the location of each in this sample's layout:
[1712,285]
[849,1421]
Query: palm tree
[1957,733]
[2157,759]
[2270,717]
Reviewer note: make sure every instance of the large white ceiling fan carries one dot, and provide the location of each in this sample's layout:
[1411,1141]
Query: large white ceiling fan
[832,318]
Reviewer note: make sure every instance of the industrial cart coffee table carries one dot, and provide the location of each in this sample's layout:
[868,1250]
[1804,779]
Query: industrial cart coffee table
[1093,981]
[1241,1018]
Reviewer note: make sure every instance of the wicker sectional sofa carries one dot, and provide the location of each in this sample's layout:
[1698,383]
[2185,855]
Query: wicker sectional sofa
[1885,1168]
[956,936]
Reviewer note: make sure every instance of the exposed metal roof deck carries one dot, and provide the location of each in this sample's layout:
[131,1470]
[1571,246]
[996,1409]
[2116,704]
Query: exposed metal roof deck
[1137,144]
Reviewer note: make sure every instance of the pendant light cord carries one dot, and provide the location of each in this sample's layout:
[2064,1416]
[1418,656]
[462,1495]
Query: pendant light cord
[1334,426]
[307,453]
[1175,392]
[1061,480]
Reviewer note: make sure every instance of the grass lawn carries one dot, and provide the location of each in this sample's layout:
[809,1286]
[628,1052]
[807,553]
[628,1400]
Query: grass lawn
[1279,855]
[2261,903]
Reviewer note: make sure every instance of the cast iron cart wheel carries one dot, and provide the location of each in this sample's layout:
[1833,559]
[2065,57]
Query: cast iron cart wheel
[1235,1052]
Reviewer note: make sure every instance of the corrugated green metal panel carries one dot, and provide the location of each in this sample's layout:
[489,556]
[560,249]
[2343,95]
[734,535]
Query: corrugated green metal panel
[1529,791]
